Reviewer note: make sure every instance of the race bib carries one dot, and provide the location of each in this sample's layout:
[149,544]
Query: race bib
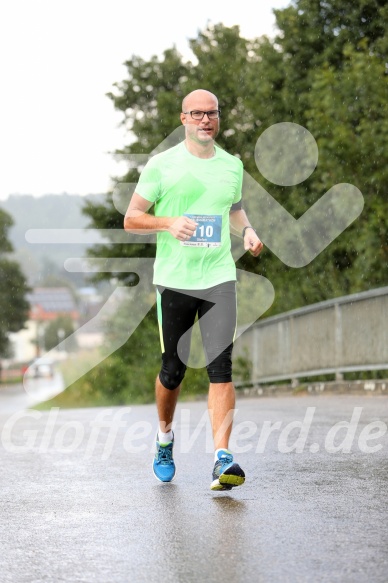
[208,232]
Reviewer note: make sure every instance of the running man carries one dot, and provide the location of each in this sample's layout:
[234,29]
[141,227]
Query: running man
[195,188]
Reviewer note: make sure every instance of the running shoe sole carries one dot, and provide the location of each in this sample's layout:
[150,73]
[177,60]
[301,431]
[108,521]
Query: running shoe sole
[232,477]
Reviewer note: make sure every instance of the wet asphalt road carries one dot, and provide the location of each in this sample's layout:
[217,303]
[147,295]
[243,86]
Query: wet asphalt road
[79,502]
[35,390]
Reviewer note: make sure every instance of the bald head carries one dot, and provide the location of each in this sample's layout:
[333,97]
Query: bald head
[200,130]
[194,100]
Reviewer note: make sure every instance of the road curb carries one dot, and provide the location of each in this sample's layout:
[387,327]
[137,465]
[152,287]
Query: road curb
[366,387]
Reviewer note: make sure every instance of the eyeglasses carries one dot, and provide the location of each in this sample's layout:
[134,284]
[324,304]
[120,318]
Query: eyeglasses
[199,115]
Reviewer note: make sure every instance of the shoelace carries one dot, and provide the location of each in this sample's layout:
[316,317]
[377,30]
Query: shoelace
[164,455]
[226,459]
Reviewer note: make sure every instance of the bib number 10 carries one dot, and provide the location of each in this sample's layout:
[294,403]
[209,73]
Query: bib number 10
[204,231]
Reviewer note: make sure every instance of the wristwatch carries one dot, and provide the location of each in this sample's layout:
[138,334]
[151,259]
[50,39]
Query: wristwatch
[245,228]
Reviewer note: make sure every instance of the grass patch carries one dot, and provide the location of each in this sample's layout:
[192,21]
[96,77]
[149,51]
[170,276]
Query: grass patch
[12,381]
[114,383]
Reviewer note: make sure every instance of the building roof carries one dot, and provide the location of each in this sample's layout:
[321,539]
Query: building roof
[49,302]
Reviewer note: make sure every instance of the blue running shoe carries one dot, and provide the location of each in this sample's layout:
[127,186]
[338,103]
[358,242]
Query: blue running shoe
[226,473]
[163,464]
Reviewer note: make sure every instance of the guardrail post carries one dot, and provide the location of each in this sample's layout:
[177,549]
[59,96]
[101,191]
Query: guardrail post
[255,352]
[338,342]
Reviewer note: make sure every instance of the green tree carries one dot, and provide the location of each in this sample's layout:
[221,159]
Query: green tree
[13,288]
[57,330]
[349,119]
[315,32]
[326,70]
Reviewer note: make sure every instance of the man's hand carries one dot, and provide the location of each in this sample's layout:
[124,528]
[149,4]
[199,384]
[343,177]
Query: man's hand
[252,243]
[182,228]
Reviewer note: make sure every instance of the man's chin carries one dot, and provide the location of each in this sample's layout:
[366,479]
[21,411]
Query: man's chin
[205,136]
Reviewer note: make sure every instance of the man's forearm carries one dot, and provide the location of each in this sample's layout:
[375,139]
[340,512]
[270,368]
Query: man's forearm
[238,220]
[142,223]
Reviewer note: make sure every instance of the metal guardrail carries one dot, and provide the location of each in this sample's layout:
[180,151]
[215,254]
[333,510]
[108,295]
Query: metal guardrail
[345,334]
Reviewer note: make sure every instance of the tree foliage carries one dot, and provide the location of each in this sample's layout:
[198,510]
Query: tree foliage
[57,330]
[13,288]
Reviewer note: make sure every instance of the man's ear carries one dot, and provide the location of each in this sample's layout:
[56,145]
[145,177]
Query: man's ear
[183,118]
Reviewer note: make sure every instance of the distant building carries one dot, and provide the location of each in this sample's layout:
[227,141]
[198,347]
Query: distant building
[48,303]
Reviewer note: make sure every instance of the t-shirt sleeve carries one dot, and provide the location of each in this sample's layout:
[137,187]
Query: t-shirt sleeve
[237,196]
[149,182]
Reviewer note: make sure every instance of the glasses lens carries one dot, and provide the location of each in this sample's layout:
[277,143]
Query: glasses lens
[197,114]
[213,114]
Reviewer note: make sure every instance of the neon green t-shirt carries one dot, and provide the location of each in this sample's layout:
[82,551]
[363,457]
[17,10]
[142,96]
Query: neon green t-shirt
[182,184]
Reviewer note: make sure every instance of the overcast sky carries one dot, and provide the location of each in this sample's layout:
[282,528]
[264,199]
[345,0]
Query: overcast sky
[59,59]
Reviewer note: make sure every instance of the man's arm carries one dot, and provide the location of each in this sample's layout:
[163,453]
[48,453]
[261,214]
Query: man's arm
[238,220]
[137,220]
